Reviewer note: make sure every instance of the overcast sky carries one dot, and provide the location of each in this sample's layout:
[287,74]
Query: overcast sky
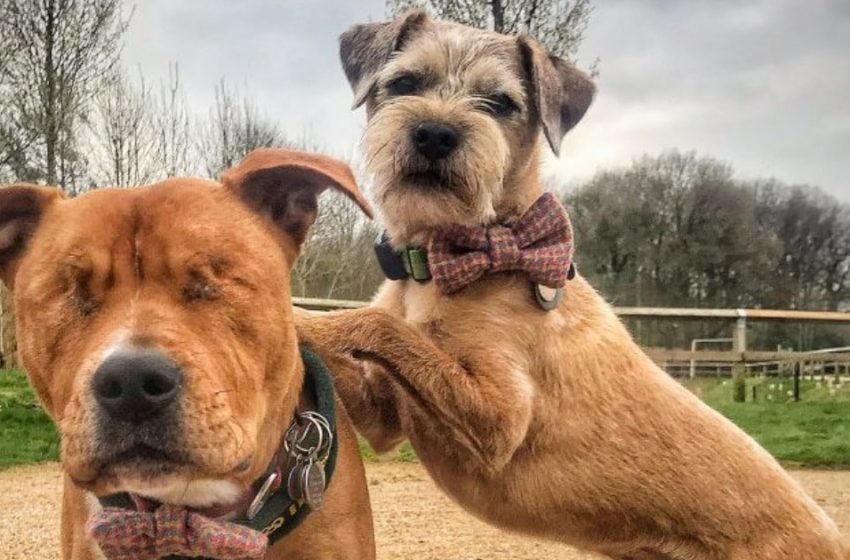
[763,85]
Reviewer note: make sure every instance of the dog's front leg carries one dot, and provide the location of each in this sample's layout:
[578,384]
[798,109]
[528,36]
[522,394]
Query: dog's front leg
[476,403]
[364,390]
[361,387]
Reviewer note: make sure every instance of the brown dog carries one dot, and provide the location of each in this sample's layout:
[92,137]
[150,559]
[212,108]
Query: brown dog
[552,423]
[156,327]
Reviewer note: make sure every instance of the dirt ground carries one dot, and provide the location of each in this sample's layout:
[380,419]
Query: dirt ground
[412,519]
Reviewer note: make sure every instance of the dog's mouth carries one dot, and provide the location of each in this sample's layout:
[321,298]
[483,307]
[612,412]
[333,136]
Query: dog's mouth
[145,456]
[152,476]
[216,511]
[430,179]
[142,462]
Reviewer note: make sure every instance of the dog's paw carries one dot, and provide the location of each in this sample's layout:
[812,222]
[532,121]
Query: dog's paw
[306,329]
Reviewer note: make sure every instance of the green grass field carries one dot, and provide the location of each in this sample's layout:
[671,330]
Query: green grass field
[812,433]
[26,434]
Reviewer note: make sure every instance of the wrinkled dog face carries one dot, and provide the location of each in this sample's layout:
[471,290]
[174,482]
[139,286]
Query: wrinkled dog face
[119,284]
[155,323]
[454,117]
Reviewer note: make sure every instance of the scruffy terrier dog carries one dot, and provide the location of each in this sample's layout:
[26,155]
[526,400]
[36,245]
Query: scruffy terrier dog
[537,416]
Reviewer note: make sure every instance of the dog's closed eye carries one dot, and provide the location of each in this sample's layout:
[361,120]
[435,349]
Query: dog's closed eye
[77,280]
[199,288]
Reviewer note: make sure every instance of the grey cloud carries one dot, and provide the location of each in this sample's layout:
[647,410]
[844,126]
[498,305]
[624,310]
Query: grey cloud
[763,85]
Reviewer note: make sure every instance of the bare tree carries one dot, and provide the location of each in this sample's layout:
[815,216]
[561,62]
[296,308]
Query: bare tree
[14,141]
[173,124]
[680,230]
[812,230]
[559,24]
[338,262]
[58,52]
[122,135]
[234,128]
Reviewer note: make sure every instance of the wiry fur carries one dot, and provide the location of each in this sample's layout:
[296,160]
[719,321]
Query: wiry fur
[485,177]
[555,423]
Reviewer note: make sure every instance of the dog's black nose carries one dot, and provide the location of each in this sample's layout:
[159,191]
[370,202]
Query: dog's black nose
[435,140]
[136,385]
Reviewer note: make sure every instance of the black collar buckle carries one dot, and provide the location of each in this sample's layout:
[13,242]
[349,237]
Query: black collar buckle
[410,262]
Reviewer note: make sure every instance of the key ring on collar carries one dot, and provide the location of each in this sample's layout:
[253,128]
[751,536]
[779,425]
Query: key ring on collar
[297,443]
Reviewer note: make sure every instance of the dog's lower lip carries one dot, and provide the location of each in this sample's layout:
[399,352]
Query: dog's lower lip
[426,179]
[142,459]
[145,453]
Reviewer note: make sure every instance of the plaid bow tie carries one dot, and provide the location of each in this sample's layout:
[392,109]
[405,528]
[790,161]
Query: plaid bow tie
[539,244]
[171,530]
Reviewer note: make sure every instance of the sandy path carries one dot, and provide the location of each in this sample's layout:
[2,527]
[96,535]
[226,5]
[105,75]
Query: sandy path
[412,519]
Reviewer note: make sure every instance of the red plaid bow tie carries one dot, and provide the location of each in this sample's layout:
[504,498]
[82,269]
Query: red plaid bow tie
[539,244]
[171,530]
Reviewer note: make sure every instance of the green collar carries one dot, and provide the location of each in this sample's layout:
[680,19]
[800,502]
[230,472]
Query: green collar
[281,514]
[408,262]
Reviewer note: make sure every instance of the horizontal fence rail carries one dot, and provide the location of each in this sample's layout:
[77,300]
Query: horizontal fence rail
[752,314]
[731,357]
[648,312]
[328,304]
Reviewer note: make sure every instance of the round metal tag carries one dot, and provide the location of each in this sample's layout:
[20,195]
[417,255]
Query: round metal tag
[548,298]
[293,483]
[313,485]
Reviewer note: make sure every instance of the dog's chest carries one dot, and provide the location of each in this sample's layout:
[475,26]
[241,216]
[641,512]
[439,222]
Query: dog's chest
[422,304]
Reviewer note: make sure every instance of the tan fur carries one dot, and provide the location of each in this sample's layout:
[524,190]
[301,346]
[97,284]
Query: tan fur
[114,267]
[554,424]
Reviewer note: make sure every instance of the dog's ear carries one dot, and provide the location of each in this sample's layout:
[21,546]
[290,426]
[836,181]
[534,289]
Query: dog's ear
[562,93]
[284,186]
[21,209]
[365,48]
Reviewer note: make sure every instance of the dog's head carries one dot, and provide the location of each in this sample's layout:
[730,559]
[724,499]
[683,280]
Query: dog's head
[156,323]
[455,115]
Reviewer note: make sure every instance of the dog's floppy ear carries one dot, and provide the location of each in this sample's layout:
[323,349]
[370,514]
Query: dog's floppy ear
[365,48]
[21,209]
[284,186]
[562,93]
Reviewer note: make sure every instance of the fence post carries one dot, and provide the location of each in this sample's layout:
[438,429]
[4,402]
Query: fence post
[739,383]
[797,382]
[739,336]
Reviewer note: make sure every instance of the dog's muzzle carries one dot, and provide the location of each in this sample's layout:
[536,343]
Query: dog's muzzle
[138,393]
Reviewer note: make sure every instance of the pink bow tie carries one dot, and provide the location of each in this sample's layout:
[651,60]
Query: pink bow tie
[539,244]
[170,530]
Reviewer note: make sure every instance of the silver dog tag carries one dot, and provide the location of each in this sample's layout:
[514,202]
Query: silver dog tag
[293,482]
[262,496]
[548,298]
[313,485]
